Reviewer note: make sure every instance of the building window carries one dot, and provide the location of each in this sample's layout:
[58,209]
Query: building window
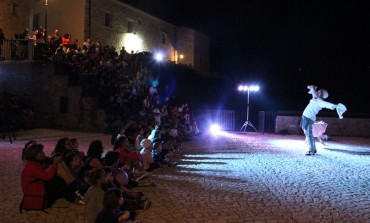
[15,9]
[108,19]
[35,21]
[130,26]
[164,38]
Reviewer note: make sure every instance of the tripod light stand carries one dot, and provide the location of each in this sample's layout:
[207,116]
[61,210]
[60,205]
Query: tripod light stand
[248,89]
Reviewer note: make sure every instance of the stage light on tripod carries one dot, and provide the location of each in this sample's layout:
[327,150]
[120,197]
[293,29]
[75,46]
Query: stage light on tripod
[248,88]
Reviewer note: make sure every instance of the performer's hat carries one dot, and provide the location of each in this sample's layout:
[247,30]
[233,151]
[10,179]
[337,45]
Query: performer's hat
[324,93]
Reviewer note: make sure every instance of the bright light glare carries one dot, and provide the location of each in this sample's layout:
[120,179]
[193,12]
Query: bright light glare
[248,88]
[132,42]
[215,129]
[158,57]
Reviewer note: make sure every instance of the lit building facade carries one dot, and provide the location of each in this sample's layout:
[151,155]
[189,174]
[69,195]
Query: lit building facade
[117,24]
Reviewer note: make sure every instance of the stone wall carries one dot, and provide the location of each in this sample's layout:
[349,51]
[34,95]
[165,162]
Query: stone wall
[194,47]
[358,127]
[56,103]
[15,11]
[146,33]
[87,19]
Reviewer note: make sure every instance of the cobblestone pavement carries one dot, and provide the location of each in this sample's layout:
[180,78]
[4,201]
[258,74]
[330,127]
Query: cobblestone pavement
[231,178]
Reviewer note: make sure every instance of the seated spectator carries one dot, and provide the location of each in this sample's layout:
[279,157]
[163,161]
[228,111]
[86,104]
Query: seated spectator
[160,153]
[111,213]
[170,139]
[157,114]
[94,154]
[146,152]
[120,176]
[156,133]
[65,183]
[93,198]
[128,159]
[130,204]
[34,178]
[26,146]
[122,146]
[62,148]
[93,161]
[143,134]
[75,147]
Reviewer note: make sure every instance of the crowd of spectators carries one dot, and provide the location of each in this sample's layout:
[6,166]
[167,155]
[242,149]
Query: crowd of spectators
[124,85]
[145,126]
[87,178]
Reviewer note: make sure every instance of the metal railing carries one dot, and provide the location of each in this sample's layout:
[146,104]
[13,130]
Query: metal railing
[17,49]
[224,118]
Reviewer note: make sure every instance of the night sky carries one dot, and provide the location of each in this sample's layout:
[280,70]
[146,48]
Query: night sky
[282,45]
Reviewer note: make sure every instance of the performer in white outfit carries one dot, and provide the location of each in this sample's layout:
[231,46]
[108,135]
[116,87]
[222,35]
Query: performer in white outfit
[309,114]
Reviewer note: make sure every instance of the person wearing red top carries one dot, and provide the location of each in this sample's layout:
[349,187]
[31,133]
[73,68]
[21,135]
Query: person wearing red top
[34,176]
[122,145]
[66,40]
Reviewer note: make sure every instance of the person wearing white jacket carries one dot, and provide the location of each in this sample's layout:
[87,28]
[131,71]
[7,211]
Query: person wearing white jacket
[312,109]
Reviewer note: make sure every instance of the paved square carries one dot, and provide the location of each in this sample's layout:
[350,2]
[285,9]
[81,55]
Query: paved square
[231,178]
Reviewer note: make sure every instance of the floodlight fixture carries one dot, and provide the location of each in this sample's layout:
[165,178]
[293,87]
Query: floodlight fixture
[159,57]
[248,88]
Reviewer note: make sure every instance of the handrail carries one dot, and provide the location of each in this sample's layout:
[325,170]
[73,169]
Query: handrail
[17,49]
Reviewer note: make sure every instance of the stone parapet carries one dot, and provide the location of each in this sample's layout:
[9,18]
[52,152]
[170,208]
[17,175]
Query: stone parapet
[358,127]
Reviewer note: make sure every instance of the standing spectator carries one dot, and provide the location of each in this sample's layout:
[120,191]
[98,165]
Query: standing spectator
[14,47]
[66,40]
[87,43]
[39,34]
[55,40]
[25,36]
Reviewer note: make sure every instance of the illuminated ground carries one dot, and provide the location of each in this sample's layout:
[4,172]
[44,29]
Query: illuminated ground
[234,178]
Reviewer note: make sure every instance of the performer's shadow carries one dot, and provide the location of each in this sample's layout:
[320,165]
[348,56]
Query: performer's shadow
[348,151]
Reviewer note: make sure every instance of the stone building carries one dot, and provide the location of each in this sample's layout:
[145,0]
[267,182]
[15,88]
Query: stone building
[14,17]
[113,23]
